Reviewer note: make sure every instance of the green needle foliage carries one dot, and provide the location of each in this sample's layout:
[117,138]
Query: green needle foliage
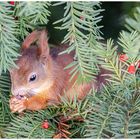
[130,44]
[29,125]
[5,115]
[80,20]
[15,23]
[30,15]
[8,42]
[113,115]
[116,108]
[133,23]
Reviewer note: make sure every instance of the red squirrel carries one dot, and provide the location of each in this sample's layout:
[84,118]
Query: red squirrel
[40,79]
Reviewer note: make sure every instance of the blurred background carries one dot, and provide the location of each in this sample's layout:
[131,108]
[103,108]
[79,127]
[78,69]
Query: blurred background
[113,20]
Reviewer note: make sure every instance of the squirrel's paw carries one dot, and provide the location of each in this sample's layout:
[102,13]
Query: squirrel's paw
[17,105]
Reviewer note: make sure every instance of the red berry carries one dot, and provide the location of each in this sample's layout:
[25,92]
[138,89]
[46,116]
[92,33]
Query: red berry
[131,69]
[12,2]
[81,17]
[45,125]
[123,57]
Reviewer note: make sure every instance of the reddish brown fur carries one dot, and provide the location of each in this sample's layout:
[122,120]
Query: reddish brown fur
[56,77]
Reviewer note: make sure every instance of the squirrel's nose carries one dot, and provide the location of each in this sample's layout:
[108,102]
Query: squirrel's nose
[19,93]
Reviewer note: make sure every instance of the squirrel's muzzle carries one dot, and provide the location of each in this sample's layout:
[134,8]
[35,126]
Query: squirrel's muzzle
[19,93]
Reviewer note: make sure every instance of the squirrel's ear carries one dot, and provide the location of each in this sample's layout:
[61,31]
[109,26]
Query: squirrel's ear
[31,38]
[43,49]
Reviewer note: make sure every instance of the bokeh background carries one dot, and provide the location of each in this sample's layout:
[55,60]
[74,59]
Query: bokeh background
[113,20]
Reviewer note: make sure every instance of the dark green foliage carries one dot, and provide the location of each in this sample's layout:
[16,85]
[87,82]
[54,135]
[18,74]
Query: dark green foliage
[115,109]
[113,115]
[5,115]
[29,124]
[133,23]
[30,15]
[80,20]
[8,42]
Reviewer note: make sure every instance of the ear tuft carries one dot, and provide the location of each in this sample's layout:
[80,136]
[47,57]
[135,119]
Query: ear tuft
[43,49]
[31,38]
[40,37]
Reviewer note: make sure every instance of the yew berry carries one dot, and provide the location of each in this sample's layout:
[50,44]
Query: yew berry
[81,17]
[45,125]
[12,2]
[131,69]
[123,57]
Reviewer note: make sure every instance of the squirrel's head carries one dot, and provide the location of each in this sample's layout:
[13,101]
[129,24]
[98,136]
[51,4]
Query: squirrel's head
[34,66]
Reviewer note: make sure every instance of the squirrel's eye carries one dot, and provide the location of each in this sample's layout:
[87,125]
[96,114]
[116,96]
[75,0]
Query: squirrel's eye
[32,78]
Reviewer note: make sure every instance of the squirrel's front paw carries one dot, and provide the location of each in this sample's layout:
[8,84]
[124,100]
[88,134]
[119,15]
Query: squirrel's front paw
[17,105]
